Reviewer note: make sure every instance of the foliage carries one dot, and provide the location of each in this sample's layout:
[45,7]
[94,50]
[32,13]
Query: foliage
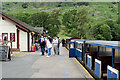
[25,5]
[83,3]
[54,23]
[49,21]
[105,32]
[44,14]
[25,17]
[74,21]
[39,19]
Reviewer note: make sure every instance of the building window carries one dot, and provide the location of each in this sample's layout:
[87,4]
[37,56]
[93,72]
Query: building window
[5,36]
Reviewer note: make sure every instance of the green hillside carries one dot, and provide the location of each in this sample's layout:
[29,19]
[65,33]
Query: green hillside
[97,11]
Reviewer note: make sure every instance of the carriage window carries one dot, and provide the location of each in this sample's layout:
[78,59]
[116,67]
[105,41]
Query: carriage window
[117,56]
[93,48]
[71,45]
[105,51]
[87,48]
[79,46]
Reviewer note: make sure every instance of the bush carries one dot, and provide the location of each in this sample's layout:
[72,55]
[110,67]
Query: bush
[3,8]
[59,5]
[110,6]
[25,5]
[114,2]
[82,3]
[113,10]
[92,14]
[15,2]
[7,4]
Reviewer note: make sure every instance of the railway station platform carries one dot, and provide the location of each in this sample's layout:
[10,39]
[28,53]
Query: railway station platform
[32,65]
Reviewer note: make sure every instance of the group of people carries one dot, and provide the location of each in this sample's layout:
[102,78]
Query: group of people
[47,43]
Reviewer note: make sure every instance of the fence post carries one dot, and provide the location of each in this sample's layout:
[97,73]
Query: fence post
[11,47]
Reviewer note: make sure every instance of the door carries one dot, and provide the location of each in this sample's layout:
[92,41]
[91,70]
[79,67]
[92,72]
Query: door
[72,49]
[17,39]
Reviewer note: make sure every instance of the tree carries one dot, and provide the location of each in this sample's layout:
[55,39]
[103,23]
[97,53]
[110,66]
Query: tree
[76,20]
[105,32]
[82,3]
[50,21]
[115,30]
[54,22]
[25,17]
[25,5]
[39,19]
[116,33]
[99,37]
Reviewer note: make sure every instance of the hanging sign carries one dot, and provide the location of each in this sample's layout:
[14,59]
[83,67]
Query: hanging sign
[12,37]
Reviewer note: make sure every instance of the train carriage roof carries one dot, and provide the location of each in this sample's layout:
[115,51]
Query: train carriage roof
[110,44]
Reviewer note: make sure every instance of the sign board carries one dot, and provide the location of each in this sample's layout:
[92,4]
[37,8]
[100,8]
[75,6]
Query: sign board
[4,51]
[12,37]
[112,73]
[89,61]
[98,68]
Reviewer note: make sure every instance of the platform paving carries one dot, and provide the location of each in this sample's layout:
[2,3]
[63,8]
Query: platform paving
[32,65]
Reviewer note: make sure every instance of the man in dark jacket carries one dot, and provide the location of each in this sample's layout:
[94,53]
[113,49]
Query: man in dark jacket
[63,42]
[42,45]
[58,45]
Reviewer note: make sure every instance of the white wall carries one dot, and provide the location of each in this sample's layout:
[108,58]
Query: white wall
[23,40]
[8,27]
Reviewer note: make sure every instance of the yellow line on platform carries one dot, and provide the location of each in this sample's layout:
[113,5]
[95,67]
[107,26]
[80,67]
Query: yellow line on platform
[82,66]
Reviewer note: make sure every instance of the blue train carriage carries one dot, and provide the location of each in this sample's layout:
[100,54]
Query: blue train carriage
[80,50]
[103,53]
[76,47]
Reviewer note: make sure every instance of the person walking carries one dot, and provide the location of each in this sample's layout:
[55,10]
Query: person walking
[55,45]
[58,45]
[42,45]
[63,42]
[45,39]
[50,39]
[49,47]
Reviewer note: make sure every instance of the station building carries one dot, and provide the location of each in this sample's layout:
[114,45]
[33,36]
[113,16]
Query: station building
[20,33]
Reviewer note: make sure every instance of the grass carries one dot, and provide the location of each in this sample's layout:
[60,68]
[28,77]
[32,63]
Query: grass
[63,37]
